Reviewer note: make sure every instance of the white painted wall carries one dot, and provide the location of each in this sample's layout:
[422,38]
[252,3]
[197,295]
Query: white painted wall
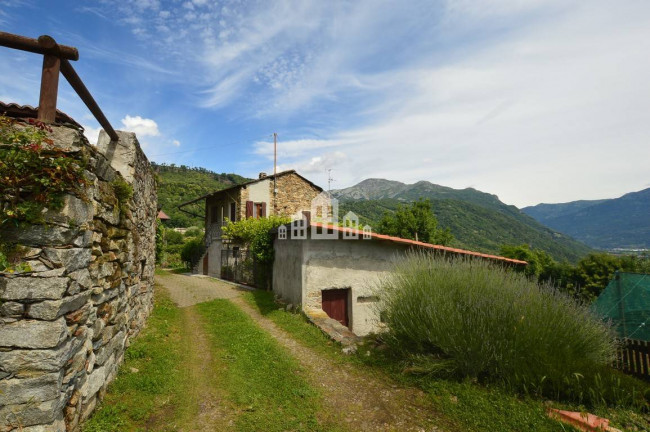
[260,192]
[303,268]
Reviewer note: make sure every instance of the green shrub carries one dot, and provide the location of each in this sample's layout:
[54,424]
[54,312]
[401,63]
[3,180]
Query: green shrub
[471,318]
[194,232]
[174,237]
[192,252]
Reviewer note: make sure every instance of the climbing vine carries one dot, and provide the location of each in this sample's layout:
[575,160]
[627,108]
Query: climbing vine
[35,175]
[255,234]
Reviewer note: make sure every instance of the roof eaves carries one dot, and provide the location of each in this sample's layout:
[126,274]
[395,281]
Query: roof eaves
[421,244]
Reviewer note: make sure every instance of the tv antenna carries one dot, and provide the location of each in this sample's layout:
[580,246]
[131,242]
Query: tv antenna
[329,180]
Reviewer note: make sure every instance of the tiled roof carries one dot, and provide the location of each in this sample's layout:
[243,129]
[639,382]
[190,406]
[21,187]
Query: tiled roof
[27,111]
[421,244]
[163,216]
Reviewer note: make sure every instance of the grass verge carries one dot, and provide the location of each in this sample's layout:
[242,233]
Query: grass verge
[468,405]
[263,381]
[149,381]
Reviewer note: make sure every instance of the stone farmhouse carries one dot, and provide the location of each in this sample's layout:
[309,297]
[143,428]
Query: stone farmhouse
[282,194]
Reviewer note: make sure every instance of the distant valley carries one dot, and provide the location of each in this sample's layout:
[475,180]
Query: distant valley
[619,223]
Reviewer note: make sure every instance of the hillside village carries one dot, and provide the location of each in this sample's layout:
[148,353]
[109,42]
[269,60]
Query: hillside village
[137,295]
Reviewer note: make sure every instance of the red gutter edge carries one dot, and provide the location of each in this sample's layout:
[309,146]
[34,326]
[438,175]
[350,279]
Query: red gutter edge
[373,235]
[582,421]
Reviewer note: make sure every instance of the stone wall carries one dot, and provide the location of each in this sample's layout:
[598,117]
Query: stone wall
[294,194]
[65,323]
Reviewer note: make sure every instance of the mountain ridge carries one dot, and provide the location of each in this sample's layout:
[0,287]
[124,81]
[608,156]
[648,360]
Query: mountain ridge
[622,222]
[477,219]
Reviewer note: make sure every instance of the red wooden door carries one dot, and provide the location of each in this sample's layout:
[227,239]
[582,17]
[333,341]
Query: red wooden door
[205,264]
[335,304]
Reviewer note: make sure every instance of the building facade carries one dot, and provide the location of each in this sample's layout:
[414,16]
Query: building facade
[339,276]
[283,194]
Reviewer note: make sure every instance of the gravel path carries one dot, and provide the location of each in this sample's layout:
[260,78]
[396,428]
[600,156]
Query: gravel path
[188,290]
[364,402]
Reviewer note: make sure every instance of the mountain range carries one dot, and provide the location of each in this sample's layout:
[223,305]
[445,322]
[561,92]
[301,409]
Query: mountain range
[478,220]
[619,223]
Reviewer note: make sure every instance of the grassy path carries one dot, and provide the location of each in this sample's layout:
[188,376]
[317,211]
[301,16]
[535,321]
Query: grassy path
[204,393]
[232,361]
[365,402]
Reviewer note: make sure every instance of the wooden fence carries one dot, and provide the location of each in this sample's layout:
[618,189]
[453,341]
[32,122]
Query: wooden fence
[634,358]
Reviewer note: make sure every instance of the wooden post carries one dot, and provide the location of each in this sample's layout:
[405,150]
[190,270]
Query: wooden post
[49,82]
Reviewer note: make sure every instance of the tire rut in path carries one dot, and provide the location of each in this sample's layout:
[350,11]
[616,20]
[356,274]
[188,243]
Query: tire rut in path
[205,400]
[363,402]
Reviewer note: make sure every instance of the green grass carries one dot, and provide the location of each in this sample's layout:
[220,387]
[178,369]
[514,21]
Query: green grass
[261,378]
[294,323]
[467,405]
[133,398]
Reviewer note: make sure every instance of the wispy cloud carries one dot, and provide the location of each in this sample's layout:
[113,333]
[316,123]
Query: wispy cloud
[550,101]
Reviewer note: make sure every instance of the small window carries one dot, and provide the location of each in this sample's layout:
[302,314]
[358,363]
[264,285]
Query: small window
[367,299]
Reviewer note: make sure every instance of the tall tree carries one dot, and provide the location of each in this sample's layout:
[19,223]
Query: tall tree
[416,222]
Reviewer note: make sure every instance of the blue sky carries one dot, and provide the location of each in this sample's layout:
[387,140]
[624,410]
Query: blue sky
[534,101]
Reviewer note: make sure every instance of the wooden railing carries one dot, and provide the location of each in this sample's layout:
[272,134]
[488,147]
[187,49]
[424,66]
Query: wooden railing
[55,60]
[633,357]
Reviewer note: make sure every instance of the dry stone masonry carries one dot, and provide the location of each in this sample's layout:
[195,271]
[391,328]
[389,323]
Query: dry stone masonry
[65,323]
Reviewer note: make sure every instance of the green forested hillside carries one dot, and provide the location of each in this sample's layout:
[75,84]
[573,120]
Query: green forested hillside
[479,228]
[179,184]
[607,224]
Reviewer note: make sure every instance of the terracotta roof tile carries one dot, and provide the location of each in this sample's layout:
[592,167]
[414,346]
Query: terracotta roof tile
[27,111]
[422,244]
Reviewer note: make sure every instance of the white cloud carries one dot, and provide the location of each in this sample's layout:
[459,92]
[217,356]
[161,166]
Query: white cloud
[554,112]
[176,143]
[141,126]
[535,100]
[92,133]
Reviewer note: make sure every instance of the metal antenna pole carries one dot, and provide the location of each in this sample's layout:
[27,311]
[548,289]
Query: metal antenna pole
[329,180]
[275,172]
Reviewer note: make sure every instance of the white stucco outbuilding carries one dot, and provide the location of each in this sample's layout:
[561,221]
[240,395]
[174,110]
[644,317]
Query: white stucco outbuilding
[338,275]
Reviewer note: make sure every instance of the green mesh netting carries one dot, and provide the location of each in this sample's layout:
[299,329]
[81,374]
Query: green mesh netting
[626,301]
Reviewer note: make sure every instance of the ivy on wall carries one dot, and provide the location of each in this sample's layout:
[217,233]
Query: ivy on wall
[34,174]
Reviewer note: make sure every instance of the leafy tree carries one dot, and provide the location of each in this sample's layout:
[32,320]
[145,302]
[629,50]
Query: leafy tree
[539,262]
[194,232]
[586,280]
[416,222]
[192,252]
[174,237]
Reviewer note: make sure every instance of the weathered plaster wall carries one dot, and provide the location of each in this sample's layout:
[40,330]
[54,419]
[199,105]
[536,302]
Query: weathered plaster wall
[288,270]
[214,259]
[331,264]
[260,192]
[64,325]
